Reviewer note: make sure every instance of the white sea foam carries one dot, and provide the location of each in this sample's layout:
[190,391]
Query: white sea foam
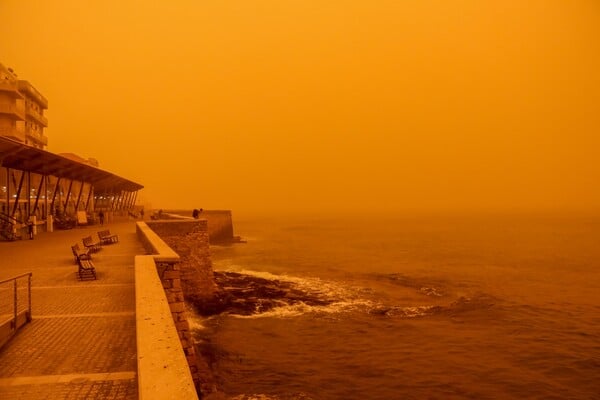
[297,309]
[195,322]
[343,298]
[431,291]
[297,396]
[253,397]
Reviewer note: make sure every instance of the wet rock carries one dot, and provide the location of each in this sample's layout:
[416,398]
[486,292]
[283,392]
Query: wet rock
[246,295]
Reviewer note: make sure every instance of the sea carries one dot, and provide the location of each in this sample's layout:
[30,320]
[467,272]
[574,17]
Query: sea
[489,306]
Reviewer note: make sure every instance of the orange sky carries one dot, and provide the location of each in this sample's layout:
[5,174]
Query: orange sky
[306,105]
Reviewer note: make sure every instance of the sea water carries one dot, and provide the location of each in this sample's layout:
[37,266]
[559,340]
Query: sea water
[417,307]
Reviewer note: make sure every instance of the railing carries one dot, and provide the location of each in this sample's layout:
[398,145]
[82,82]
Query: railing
[35,114]
[8,228]
[38,137]
[13,110]
[14,313]
[7,86]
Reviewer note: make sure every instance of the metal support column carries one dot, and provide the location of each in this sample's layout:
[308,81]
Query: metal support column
[56,189]
[134,198]
[6,211]
[37,197]
[28,194]
[127,204]
[79,197]
[18,194]
[68,196]
[45,178]
[87,202]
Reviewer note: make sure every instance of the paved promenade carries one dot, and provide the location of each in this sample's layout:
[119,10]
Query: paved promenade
[81,343]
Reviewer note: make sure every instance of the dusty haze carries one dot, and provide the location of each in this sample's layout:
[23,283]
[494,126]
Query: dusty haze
[312,105]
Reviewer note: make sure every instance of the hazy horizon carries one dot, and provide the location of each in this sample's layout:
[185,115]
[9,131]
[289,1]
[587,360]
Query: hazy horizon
[305,106]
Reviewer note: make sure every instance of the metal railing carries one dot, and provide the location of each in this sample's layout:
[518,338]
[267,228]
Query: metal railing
[8,227]
[14,310]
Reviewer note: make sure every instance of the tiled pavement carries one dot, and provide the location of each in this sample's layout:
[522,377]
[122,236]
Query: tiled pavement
[81,342]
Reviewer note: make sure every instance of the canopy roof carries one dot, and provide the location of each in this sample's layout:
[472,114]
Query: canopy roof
[23,157]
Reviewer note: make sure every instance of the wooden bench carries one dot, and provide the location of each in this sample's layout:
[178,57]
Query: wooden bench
[107,238]
[92,246]
[86,268]
[78,252]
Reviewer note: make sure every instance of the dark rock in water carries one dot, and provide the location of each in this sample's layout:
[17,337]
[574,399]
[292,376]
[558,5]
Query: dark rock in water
[246,295]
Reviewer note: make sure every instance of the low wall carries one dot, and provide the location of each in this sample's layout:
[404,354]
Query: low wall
[161,324]
[189,240]
[220,223]
[163,372]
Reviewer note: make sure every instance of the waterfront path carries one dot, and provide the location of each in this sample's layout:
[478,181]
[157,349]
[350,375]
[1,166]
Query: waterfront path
[81,343]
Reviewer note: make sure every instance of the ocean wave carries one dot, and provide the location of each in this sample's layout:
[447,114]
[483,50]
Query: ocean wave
[262,294]
[257,294]
[312,285]
[428,287]
[463,304]
[298,309]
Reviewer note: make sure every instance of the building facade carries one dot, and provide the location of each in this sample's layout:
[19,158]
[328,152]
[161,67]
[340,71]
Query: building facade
[22,110]
[42,188]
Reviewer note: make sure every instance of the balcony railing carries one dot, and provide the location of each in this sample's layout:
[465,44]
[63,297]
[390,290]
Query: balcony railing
[37,137]
[11,87]
[26,88]
[12,133]
[13,111]
[36,115]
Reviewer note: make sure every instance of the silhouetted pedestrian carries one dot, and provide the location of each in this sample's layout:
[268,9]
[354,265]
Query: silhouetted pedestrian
[101,217]
[30,229]
[142,213]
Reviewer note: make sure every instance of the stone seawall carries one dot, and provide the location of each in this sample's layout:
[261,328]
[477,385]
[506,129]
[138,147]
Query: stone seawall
[189,239]
[189,281]
[163,371]
[220,223]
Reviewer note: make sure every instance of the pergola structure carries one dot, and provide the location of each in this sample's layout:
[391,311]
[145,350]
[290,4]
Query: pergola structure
[40,183]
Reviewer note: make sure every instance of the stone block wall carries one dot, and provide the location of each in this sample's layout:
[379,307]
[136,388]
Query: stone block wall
[188,281]
[220,225]
[190,240]
[170,278]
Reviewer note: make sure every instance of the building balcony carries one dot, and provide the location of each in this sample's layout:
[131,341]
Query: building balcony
[31,112]
[12,133]
[12,111]
[11,88]
[39,138]
[32,93]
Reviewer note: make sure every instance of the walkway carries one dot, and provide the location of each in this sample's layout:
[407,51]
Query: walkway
[81,343]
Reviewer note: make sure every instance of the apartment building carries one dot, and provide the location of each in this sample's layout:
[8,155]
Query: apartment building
[22,110]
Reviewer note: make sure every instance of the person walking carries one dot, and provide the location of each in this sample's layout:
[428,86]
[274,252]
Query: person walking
[101,216]
[30,228]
